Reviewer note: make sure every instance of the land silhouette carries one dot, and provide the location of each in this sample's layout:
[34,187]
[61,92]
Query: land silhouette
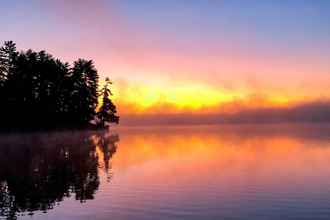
[38,90]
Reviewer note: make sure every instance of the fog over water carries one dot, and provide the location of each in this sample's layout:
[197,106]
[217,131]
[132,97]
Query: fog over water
[277,171]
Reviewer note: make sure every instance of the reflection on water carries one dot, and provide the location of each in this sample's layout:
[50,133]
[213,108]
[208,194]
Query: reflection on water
[199,172]
[39,170]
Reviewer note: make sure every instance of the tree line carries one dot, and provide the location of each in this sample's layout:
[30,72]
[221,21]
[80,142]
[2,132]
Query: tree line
[38,90]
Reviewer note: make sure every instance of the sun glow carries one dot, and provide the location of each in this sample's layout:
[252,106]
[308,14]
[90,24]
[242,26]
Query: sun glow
[191,98]
[184,98]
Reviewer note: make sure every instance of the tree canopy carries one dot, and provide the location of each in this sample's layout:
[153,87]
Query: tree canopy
[38,90]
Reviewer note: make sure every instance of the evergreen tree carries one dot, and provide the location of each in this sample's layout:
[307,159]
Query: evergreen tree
[7,55]
[84,94]
[37,90]
[107,111]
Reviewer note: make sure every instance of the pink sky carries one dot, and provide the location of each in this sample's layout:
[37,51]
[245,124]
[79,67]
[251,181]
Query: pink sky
[171,56]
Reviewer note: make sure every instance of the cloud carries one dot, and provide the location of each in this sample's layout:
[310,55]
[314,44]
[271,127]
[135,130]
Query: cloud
[317,111]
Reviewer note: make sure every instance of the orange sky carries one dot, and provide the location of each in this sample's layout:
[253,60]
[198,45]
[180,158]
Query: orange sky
[171,57]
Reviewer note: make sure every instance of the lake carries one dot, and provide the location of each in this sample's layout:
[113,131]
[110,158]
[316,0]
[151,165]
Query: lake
[173,172]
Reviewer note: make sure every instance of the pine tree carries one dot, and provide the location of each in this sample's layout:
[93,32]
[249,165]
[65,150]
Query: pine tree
[107,111]
[84,95]
[7,55]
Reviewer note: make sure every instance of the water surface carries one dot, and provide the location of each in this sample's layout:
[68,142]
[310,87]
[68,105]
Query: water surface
[182,172]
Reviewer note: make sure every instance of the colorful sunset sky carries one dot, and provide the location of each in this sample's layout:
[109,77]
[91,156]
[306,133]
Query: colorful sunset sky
[186,57]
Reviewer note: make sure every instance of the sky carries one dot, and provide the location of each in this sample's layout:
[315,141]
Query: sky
[186,56]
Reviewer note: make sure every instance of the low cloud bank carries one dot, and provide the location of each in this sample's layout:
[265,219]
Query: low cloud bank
[318,112]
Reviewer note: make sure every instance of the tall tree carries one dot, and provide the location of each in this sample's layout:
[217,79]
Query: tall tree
[107,111]
[84,94]
[7,55]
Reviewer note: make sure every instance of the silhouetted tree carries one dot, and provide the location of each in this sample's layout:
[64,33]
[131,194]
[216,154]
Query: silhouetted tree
[37,90]
[107,111]
[8,54]
[85,82]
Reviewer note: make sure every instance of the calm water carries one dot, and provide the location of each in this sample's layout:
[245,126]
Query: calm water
[200,172]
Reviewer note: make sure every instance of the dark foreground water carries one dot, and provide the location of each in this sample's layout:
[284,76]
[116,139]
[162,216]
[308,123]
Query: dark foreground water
[200,172]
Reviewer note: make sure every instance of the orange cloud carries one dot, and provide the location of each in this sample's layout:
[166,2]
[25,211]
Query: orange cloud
[178,98]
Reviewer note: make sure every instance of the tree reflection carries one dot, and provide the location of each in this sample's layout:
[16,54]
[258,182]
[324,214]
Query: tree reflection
[107,145]
[37,171]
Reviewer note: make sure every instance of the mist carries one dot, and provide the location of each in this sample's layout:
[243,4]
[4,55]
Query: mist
[312,112]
